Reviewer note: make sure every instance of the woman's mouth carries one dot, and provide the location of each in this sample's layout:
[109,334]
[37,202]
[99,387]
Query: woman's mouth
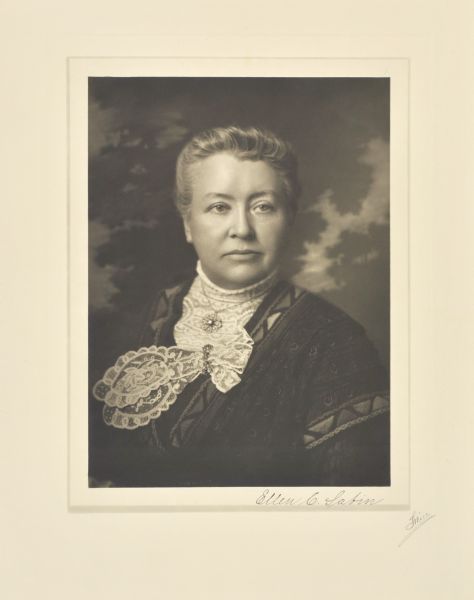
[241,252]
[243,255]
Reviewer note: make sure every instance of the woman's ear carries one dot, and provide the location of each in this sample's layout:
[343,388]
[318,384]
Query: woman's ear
[187,229]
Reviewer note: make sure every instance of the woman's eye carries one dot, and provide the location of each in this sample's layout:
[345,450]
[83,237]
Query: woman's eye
[263,208]
[218,208]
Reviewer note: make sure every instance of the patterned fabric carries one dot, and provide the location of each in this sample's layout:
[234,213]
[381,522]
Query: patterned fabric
[351,413]
[311,408]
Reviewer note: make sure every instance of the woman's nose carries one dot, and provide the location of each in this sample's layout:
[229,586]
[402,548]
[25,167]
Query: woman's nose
[241,225]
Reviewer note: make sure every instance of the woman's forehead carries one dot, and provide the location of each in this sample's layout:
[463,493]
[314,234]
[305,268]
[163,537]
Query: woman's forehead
[225,173]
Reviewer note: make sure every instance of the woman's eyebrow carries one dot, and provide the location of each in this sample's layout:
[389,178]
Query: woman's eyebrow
[263,193]
[219,195]
[254,196]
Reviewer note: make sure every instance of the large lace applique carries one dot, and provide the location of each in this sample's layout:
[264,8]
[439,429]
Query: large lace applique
[144,383]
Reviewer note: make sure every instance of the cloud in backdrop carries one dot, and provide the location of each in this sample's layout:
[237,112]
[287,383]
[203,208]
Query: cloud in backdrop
[318,261]
[340,131]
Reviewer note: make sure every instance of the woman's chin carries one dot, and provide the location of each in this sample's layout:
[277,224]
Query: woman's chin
[238,276]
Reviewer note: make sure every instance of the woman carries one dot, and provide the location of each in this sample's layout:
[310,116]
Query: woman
[241,378]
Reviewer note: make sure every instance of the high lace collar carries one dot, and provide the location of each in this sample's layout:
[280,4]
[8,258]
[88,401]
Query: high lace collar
[238,296]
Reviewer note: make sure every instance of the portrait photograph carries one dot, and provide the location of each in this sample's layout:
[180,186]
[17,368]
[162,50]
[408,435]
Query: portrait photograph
[239,282]
[237,310]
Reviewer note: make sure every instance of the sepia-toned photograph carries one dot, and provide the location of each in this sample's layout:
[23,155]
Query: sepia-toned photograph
[239,282]
[237,312]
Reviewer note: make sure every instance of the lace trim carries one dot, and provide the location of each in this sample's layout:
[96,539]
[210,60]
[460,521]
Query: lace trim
[230,309]
[144,383]
[190,335]
[256,290]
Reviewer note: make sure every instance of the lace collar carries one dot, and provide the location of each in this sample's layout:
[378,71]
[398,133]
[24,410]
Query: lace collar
[256,290]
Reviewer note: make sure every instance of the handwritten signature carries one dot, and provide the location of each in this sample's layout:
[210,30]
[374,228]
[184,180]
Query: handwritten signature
[340,499]
[415,521]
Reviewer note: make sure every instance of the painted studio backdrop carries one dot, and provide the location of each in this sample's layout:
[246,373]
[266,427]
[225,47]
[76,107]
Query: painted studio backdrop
[339,128]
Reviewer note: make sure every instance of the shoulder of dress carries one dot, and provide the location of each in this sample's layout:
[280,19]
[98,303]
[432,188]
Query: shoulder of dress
[320,313]
[175,290]
[302,314]
[166,300]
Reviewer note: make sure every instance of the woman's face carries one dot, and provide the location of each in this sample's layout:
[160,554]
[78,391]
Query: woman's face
[238,220]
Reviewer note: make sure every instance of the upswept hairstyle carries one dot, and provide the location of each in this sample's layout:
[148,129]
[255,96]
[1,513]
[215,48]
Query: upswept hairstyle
[249,143]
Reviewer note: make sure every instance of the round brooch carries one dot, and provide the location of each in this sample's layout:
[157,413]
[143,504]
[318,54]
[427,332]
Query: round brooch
[211,323]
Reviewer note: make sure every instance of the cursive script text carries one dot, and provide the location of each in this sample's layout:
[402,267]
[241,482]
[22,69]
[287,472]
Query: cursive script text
[415,521]
[339,499]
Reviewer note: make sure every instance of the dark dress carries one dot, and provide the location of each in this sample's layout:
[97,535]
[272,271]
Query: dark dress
[312,408]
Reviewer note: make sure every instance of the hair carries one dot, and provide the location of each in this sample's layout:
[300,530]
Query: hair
[249,143]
